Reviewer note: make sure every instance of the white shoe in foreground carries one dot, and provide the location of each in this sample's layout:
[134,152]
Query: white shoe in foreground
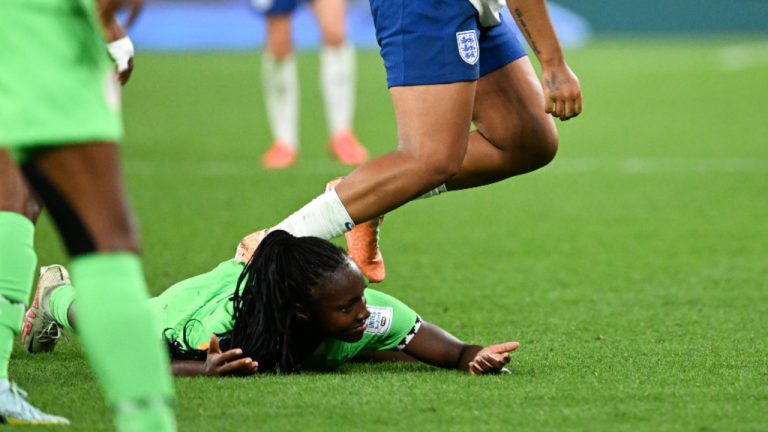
[40,332]
[15,410]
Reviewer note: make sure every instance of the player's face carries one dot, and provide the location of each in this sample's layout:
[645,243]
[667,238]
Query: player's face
[339,309]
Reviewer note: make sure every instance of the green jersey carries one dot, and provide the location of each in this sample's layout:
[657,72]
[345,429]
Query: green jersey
[193,309]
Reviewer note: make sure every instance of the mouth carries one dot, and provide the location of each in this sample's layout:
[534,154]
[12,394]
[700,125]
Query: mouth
[361,328]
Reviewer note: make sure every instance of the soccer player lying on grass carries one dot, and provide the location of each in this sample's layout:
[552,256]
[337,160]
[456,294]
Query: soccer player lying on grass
[299,303]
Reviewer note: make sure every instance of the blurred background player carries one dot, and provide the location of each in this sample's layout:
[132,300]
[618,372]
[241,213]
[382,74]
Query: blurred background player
[59,128]
[279,77]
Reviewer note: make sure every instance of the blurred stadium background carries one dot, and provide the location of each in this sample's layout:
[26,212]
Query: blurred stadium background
[233,25]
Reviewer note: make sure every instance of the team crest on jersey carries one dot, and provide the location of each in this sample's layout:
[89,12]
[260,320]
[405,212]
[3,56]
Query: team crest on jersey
[468,47]
[380,320]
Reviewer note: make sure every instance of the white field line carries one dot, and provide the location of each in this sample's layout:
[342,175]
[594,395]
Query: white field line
[743,56]
[629,166]
[638,165]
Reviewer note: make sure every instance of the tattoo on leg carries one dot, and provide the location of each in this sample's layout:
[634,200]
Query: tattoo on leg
[526,31]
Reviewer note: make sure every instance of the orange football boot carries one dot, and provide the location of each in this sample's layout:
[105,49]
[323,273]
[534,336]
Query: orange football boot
[280,155]
[363,245]
[348,149]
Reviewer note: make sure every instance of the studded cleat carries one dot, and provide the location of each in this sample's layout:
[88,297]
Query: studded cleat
[15,410]
[280,155]
[40,332]
[348,149]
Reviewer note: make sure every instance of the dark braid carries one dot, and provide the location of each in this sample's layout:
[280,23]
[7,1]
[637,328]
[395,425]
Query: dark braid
[281,274]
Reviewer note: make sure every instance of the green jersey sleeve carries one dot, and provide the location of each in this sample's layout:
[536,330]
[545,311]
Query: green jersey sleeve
[391,326]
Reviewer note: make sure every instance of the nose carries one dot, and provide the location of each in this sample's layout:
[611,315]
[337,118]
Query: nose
[364,314]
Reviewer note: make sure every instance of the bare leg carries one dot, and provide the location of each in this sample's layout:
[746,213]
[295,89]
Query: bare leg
[433,127]
[331,15]
[117,328]
[279,36]
[89,178]
[279,79]
[514,135]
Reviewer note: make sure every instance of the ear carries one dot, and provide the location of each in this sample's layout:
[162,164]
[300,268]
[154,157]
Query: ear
[302,312]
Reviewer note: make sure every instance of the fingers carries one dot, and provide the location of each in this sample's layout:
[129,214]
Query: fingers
[125,75]
[228,356]
[213,345]
[504,347]
[549,104]
[243,366]
[485,364]
[568,110]
[577,109]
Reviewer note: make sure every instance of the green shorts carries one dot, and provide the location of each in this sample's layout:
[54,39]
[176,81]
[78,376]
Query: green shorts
[57,83]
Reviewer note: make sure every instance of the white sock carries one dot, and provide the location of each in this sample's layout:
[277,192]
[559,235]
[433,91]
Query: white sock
[281,94]
[434,192]
[337,80]
[324,217]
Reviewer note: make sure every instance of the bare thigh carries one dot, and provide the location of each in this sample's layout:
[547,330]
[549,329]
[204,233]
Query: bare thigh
[331,15]
[89,178]
[514,134]
[432,129]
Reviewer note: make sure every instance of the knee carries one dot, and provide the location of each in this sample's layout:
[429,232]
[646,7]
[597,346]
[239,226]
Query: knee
[333,38]
[279,48]
[279,43]
[18,199]
[432,170]
[32,209]
[543,145]
[529,148]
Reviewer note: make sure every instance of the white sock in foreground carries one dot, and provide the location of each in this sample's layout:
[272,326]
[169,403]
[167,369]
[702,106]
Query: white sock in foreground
[337,80]
[281,93]
[324,217]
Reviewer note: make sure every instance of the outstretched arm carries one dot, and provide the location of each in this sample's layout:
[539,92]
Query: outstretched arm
[437,347]
[562,91]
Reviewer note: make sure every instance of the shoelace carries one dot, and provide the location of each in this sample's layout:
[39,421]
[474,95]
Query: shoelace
[47,333]
[16,390]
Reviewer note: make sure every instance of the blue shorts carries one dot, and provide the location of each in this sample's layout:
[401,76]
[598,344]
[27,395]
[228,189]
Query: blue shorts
[439,42]
[276,7]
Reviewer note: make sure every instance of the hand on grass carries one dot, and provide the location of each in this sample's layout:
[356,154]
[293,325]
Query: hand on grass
[219,363]
[562,91]
[492,358]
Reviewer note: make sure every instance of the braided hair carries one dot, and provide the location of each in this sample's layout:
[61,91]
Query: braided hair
[281,274]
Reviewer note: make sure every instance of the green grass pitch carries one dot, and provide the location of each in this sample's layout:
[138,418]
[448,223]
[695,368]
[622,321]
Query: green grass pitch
[633,269]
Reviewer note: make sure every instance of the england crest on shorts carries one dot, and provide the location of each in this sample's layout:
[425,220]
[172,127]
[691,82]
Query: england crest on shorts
[468,47]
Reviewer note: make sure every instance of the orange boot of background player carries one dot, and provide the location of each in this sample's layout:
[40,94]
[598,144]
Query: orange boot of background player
[280,155]
[348,149]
